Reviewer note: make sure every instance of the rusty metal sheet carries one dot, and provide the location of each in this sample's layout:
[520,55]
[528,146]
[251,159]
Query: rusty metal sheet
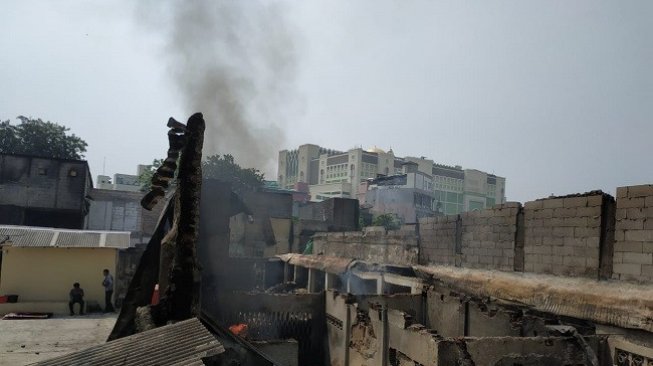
[183,343]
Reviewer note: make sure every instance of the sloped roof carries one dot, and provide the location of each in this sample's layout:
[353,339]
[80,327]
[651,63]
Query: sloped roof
[183,343]
[40,237]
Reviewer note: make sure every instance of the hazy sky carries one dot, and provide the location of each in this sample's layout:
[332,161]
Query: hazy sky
[556,96]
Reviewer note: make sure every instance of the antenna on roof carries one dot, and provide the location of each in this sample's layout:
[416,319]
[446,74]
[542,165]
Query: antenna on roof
[104,166]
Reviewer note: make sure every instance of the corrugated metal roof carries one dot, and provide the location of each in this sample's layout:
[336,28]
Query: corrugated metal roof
[183,343]
[30,236]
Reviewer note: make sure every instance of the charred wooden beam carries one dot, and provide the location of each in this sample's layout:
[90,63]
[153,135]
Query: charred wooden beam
[182,292]
[170,257]
[166,172]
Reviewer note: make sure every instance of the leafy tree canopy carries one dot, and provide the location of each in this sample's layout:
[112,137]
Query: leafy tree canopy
[39,138]
[220,167]
[224,168]
[387,220]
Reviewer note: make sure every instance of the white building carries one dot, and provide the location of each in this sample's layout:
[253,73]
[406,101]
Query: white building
[333,173]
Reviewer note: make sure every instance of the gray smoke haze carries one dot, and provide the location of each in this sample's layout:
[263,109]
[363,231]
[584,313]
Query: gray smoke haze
[234,61]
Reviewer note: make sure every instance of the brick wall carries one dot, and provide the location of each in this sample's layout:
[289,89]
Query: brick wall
[565,235]
[633,247]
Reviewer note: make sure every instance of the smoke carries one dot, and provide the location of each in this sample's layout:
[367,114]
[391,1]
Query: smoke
[235,62]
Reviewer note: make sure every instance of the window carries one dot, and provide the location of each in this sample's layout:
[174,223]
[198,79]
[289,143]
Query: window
[42,171]
[72,173]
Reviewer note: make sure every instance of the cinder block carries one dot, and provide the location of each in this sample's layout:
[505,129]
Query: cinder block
[647,270]
[619,214]
[566,212]
[648,224]
[640,191]
[627,268]
[562,232]
[635,213]
[622,192]
[533,205]
[629,246]
[647,247]
[628,224]
[594,221]
[648,201]
[640,258]
[574,242]
[574,261]
[588,211]
[575,202]
[553,203]
[542,268]
[619,235]
[639,235]
[574,221]
[544,213]
[630,202]
[617,257]
[552,241]
[594,201]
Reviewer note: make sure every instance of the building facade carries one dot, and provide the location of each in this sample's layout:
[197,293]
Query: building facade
[37,191]
[331,173]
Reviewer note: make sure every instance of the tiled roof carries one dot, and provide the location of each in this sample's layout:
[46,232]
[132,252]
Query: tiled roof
[31,236]
[183,343]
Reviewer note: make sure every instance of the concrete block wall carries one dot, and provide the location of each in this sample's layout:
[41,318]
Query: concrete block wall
[489,237]
[633,247]
[478,239]
[438,240]
[373,244]
[565,235]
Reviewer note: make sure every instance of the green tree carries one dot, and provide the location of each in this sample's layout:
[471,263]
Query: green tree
[218,167]
[224,168]
[388,221]
[145,179]
[39,138]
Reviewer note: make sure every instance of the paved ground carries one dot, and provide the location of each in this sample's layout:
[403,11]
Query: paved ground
[26,341]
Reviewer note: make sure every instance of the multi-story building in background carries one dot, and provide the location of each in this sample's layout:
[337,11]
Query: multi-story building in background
[332,173]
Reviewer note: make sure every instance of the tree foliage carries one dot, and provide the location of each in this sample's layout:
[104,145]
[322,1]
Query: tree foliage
[145,178]
[39,138]
[224,168]
[388,221]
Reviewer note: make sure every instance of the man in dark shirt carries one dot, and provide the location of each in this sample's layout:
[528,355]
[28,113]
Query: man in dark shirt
[107,283]
[76,296]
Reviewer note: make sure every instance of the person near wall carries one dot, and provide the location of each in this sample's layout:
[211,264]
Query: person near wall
[76,296]
[107,283]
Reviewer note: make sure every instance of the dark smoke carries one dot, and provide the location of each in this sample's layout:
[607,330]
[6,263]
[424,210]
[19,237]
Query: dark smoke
[234,61]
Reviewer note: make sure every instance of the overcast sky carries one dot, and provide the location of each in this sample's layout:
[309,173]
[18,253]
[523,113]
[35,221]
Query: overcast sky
[556,96]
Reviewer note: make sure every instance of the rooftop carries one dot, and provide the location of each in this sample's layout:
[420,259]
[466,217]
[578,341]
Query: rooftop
[41,237]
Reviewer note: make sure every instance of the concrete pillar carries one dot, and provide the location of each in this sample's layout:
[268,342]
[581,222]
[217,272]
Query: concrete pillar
[379,285]
[295,274]
[286,272]
[311,283]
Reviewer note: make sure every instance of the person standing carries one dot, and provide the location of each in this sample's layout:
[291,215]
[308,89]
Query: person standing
[108,291]
[76,296]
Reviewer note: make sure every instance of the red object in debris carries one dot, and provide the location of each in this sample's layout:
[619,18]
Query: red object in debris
[239,329]
[4,299]
[155,295]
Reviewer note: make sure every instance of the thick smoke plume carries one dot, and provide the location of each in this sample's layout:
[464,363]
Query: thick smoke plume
[234,61]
